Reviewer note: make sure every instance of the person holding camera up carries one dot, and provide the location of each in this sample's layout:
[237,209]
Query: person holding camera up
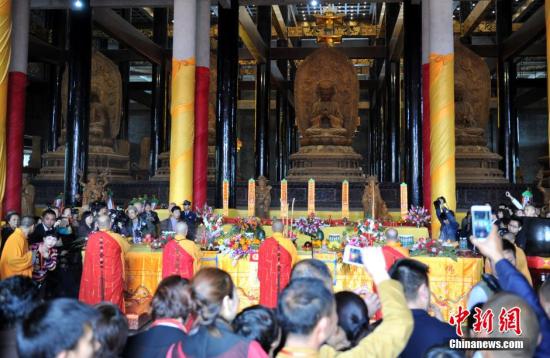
[449,225]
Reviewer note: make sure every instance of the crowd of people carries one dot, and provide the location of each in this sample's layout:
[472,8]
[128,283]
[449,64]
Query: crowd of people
[55,303]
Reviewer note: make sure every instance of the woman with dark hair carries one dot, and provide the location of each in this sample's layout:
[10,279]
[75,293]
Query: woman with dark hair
[216,305]
[86,225]
[110,330]
[260,324]
[353,316]
[171,307]
[12,223]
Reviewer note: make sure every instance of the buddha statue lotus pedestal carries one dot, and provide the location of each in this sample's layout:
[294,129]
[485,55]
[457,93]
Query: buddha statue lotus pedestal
[326,98]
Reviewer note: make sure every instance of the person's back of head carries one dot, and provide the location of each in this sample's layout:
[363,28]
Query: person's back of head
[182,228]
[55,327]
[509,251]
[18,297]
[172,299]
[306,310]
[259,323]
[413,275]
[110,330]
[544,296]
[312,268]
[515,308]
[214,296]
[443,352]
[27,224]
[353,316]
[103,222]
[277,226]
[391,234]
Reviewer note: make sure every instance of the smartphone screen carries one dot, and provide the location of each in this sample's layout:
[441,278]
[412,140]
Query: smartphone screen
[353,256]
[481,221]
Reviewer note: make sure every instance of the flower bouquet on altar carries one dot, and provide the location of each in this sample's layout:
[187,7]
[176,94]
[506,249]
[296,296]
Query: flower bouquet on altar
[210,228]
[238,246]
[370,231]
[250,227]
[418,216]
[312,227]
[434,248]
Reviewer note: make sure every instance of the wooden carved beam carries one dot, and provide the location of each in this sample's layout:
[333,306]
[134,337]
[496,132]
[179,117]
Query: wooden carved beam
[121,30]
[525,36]
[474,19]
[41,51]
[396,42]
[527,6]
[251,37]
[279,22]
[299,53]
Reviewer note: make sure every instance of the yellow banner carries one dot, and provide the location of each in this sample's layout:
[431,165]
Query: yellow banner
[182,130]
[251,197]
[5,53]
[345,199]
[311,197]
[404,201]
[442,136]
[225,198]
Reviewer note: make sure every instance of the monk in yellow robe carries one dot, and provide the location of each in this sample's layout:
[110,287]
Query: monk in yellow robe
[276,257]
[16,258]
[103,271]
[181,256]
[520,259]
[393,250]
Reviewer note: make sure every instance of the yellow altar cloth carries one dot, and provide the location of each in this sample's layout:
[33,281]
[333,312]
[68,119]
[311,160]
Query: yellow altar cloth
[450,281]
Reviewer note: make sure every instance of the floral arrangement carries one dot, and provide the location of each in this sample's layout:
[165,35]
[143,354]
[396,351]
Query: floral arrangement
[419,216]
[160,242]
[309,226]
[251,224]
[238,246]
[211,227]
[434,248]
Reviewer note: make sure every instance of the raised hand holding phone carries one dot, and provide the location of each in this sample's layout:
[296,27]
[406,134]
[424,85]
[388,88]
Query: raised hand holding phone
[481,221]
[375,264]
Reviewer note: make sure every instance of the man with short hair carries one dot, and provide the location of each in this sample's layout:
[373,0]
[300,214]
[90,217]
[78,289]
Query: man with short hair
[393,250]
[58,328]
[103,272]
[309,323]
[45,228]
[18,296]
[526,319]
[312,268]
[170,223]
[428,331]
[515,224]
[180,255]
[512,281]
[276,257]
[519,257]
[16,257]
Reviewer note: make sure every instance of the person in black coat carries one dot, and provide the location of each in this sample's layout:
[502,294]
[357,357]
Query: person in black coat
[12,223]
[171,306]
[45,228]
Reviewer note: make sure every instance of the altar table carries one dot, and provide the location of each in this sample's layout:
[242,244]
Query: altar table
[450,281]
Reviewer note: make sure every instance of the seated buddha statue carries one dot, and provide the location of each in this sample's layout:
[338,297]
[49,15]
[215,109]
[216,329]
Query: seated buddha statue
[325,115]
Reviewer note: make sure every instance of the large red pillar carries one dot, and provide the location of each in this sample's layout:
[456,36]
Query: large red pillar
[202,84]
[15,126]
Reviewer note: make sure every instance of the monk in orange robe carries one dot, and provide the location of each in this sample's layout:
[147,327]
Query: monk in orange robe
[103,272]
[16,258]
[393,250]
[181,256]
[276,257]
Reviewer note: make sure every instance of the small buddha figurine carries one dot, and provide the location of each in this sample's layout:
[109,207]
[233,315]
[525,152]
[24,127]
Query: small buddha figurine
[373,204]
[94,189]
[27,197]
[263,198]
[325,110]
